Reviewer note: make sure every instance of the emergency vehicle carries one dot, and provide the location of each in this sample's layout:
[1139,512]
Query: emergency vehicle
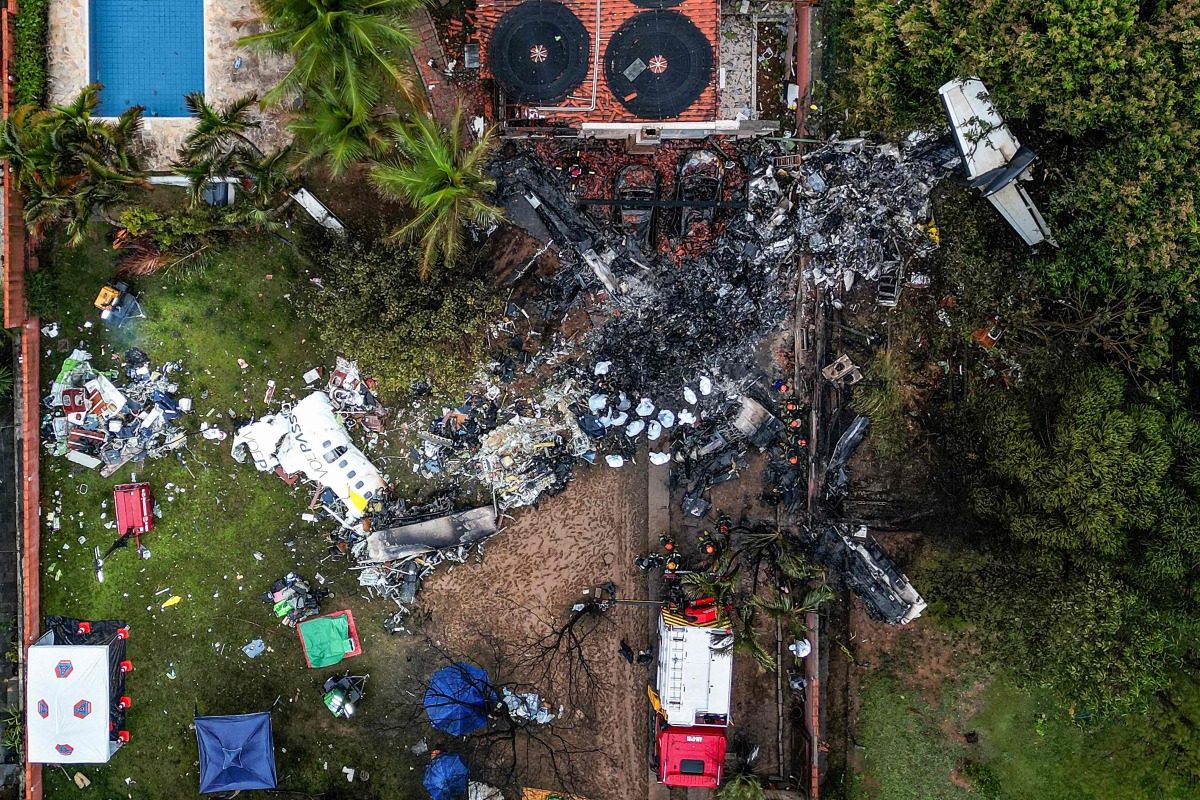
[692,695]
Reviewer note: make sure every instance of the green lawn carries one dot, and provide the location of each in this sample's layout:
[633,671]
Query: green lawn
[906,757]
[1027,748]
[217,514]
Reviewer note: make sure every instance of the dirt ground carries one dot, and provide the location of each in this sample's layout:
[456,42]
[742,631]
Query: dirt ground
[533,572]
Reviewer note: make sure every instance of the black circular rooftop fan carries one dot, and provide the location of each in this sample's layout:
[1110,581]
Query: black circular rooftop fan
[658,63]
[539,52]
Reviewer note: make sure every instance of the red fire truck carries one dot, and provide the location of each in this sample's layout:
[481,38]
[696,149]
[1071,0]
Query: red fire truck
[692,695]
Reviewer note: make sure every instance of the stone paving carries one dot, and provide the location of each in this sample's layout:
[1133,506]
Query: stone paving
[443,97]
[738,66]
[230,71]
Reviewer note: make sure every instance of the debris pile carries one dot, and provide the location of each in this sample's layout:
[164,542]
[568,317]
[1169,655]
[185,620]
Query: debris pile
[531,454]
[293,600]
[396,545]
[310,438]
[527,706]
[837,478]
[353,396]
[106,419]
[859,562]
[522,451]
[676,336]
[666,353]
[864,208]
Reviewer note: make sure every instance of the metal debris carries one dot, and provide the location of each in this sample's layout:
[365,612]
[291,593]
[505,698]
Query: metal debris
[97,423]
[863,208]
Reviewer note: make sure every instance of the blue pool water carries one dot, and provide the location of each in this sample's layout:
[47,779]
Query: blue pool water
[148,53]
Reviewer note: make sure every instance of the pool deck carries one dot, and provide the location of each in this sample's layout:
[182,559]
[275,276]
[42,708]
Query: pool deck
[226,21]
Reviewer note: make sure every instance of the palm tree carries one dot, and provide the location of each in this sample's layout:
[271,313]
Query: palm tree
[219,148]
[744,639]
[329,129]
[439,176]
[350,47]
[791,608]
[219,132]
[266,180]
[718,584]
[742,782]
[69,164]
[775,547]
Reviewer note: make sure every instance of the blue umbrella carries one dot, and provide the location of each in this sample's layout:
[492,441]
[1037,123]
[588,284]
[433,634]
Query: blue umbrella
[458,699]
[446,777]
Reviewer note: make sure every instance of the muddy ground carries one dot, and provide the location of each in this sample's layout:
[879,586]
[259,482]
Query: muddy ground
[529,576]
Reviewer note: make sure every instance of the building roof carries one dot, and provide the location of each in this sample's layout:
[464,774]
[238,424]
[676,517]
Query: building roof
[649,60]
[694,677]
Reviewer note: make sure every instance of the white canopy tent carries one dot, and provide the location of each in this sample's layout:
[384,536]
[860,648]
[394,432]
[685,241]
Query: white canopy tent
[67,704]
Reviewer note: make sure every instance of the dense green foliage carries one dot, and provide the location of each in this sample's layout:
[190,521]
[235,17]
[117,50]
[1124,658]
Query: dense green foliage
[329,130]
[439,175]
[881,400]
[742,786]
[1095,490]
[219,147]
[1099,475]
[29,53]
[69,164]
[911,735]
[1108,91]
[1094,641]
[402,329]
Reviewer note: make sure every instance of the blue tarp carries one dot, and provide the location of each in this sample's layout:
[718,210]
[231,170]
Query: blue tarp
[446,777]
[458,699]
[236,752]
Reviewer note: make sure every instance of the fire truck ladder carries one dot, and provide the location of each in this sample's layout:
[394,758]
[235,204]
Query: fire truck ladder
[675,674]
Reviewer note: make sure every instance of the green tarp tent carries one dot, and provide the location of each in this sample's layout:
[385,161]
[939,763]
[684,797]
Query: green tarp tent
[326,640]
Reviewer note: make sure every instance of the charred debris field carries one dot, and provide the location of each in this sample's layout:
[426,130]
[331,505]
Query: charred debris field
[544,466]
[670,360]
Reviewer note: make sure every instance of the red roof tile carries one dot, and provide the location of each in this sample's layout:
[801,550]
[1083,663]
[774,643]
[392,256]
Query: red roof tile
[705,14]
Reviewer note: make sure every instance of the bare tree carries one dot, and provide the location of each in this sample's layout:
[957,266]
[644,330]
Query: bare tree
[561,658]
[517,746]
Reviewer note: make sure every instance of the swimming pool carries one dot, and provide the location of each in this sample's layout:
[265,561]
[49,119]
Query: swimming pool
[148,53]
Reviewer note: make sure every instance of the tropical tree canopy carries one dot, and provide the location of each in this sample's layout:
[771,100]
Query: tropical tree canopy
[69,164]
[219,147]
[404,330]
[1105,478]
[1094,489]
[330,130]
[439,175]
[352,48]
[220,133]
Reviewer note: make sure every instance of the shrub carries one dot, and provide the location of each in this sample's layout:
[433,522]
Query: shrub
[40,291]
[29,52]
[882,400]
[374,306]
